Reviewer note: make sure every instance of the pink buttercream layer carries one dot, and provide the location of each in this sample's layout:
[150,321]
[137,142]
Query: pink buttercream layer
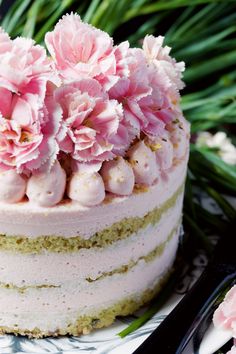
[71,219]
[61,268]
[52,308]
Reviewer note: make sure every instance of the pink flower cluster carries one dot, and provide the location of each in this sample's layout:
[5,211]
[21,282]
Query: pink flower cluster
[225,315]
[89,100]
[29,121]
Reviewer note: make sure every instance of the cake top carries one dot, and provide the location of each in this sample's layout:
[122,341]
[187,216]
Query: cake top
[82,116]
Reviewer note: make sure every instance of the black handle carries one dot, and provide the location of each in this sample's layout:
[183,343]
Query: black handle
[173,333]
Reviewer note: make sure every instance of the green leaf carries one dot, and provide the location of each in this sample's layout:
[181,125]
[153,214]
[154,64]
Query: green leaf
[208,67]
[32,14]
[207,165]
[11,20]
[197,231]
[220,166]
[91,10]
[206,44]
[64,4]
[165,5]
[226,207]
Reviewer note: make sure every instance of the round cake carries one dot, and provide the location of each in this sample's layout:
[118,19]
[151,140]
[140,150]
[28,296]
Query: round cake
[93,160]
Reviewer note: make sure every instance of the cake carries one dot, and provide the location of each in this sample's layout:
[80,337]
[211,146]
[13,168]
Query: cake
[93,158]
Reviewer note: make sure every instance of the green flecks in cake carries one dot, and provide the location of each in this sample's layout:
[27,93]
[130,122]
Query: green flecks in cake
[118,231]
[78,324]
[23,289]
[157,252]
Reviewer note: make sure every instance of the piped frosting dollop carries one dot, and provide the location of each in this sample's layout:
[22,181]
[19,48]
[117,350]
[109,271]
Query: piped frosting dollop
[164,152]
[12,186]
[143,162]
[179,132]
[47,189]
[118,176]
[86,188]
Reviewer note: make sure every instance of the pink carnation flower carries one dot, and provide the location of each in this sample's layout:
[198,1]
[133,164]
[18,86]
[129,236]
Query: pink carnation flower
[91,122]
[24,67]
[169,72]
[233,350]
[5,41]
[147,109]
[81,51]
[225,315]
[27,131]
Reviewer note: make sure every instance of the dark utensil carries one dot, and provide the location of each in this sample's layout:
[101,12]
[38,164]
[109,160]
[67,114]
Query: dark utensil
[175,332]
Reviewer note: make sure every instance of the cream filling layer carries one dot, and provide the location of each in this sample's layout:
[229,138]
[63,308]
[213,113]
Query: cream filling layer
[60,268]
[70,219]
[118,231]
[51,308]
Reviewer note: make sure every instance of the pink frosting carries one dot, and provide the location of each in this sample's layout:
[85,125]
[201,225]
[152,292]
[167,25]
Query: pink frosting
[179,134]
[86,188]
[12,186]
[143,161]
[118,176]
[225,315]
[47,189]
[164,151]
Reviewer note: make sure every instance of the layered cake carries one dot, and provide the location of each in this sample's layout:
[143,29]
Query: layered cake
[93,157]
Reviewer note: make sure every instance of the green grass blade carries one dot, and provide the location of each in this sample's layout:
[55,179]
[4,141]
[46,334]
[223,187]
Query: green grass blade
[32,15]
[227,209]
[165,5]
[205,45]
[51,21]
[197,18]
[11,20]
[208,67]
[91,10]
